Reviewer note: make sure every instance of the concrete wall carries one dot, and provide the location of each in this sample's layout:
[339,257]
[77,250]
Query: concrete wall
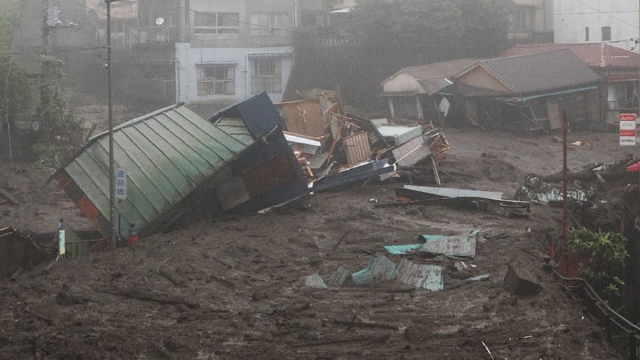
[188,57]
[245,9]
[572,17]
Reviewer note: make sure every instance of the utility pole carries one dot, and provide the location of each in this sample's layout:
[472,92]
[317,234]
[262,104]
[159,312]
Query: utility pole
[565,198]
[112,168]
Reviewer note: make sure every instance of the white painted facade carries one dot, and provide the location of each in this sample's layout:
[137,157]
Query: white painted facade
[189,59]
[591,21]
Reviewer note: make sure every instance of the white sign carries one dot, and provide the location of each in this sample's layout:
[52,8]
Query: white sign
[121,183]
[62,246]
[628,129]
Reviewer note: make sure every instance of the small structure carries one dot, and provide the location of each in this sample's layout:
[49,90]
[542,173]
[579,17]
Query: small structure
[177,161]
[413,92]
[18,252]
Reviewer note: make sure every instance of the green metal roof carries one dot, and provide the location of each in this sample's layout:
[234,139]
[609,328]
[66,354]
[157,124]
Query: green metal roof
[167,154]
[235,128]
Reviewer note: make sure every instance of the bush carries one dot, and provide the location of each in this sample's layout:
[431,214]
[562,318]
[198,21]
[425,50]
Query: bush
[604,256]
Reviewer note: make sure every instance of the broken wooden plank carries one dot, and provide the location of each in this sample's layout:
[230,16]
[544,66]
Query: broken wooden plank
[5,194]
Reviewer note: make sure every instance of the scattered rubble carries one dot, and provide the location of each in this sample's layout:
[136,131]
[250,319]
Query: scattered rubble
[519,284]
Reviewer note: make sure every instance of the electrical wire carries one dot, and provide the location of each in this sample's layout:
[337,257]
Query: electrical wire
[54,52]
[6,89]
[598,11]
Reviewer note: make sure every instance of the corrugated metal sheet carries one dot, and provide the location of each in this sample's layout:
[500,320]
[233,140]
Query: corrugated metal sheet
[420,276]
[235,128]
[462,245]
[412,152]
[399,135]
[379,269]
[357,148]
[168,154]
[454,193]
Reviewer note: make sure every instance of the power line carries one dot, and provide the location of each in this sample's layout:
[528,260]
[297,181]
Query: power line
[598,11]
[54,52]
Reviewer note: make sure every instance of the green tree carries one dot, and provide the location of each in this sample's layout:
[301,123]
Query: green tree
[434,30]
[60,134]
[603,257]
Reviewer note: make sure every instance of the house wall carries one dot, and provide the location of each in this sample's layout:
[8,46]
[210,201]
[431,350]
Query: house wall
[480,78]
[401,82]
[189,58]
[571,18]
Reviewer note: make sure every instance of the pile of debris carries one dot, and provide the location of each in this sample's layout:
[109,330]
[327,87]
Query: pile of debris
[334,148]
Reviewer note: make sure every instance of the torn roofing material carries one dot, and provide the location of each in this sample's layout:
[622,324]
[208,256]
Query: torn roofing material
[461,245]
[357,173]
[420,276]
[453,193]
[168,154]
[258,114]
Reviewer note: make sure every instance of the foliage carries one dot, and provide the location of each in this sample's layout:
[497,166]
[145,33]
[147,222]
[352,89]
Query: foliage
[604,256]
[434,30]
[60,133]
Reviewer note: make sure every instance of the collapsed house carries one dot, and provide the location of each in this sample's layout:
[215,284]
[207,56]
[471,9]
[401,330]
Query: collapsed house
[618,68]
[177,162]
[527,92]
[335,149]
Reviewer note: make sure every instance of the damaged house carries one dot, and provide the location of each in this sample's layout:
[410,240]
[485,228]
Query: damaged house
[527,92]
[177,162]
[618,67]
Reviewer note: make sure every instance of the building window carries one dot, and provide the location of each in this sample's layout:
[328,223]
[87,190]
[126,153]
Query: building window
[216,80]
[266,75]
[586,34]
[269,23]
[606,33]
[217,23]
[523,19]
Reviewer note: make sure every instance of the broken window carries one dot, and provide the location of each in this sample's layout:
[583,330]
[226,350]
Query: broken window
[269,23]
[266,75]
[216,80]
[606,33]
[217,23]
[522,19]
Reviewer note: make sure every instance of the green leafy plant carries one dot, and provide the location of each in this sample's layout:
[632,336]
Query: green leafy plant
[60,134]
[603,257]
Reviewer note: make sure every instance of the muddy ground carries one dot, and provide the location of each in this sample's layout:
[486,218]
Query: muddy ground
[230,289]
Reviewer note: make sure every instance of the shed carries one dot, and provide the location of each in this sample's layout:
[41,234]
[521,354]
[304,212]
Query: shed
[171,155]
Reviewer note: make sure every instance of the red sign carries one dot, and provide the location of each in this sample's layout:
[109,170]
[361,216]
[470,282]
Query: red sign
[628,129]
[628,117]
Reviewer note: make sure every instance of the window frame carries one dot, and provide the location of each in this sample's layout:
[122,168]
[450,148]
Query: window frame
[270,82]
[217,29]
[214,82]
[267,28]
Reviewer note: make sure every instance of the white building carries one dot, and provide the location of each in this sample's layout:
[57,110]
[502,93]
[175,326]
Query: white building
[213,52]
[597,21]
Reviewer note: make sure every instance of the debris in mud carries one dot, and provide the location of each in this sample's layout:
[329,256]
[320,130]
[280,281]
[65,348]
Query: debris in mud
[314,281]
[459,246]
[519,284]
